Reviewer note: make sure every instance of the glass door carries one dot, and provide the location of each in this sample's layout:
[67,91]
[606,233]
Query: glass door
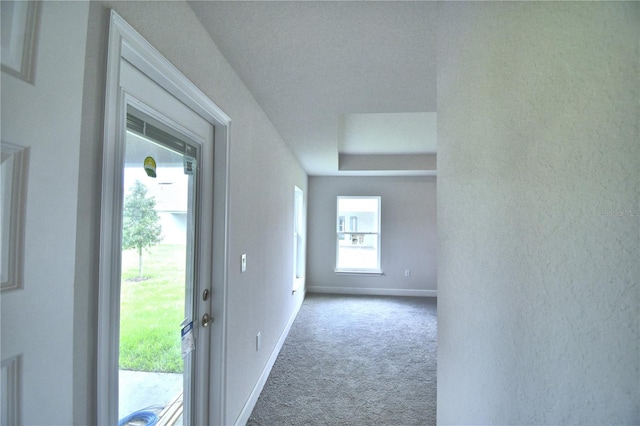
[157,274]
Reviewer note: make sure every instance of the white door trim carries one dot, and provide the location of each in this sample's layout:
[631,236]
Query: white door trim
[126,43]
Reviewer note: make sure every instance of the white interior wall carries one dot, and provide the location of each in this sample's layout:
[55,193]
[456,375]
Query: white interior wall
[37,321]
[538,174]
[538,167]
[408,235]
[263,173]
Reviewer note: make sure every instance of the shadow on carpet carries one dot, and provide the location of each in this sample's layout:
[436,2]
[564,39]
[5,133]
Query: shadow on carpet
[355,360]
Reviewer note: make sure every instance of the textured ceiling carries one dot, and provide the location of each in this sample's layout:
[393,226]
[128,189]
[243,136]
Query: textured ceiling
[312,64]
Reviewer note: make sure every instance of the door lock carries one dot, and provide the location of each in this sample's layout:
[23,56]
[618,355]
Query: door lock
[205,294]
[206,320]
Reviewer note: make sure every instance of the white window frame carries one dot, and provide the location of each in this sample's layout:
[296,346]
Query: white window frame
[341,232]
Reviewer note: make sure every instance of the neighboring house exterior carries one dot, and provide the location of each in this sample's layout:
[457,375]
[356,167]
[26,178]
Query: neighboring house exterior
[168,190]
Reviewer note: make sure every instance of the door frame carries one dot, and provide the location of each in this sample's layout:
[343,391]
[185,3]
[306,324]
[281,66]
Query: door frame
[125,43]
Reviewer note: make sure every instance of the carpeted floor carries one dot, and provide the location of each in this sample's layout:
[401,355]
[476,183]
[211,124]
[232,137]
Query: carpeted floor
[355,360]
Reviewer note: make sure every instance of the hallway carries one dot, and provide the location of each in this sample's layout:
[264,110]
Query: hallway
[355,360]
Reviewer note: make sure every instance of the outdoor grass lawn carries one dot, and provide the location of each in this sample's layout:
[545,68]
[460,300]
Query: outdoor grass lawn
[152,310]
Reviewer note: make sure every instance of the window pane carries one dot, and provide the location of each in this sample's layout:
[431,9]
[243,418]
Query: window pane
[298,237]
[357,251]
[358,214]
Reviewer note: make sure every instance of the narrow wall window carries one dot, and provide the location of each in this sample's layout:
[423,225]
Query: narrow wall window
[298,238]
[358,239]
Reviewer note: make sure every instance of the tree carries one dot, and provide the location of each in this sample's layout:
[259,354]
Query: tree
[140,226]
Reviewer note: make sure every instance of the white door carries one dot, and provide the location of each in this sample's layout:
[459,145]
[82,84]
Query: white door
[160,287]
[144,84]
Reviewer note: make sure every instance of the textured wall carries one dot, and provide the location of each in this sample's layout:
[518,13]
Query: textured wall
[408,235]
[538,210]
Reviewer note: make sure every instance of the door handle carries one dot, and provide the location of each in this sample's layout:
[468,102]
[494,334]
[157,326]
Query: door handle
[206,320]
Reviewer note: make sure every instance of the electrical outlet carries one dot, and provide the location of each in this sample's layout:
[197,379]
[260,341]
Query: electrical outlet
[407,272]
[258,341]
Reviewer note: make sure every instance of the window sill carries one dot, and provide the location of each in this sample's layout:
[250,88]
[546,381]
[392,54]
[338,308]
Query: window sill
[352,272]
[297,283]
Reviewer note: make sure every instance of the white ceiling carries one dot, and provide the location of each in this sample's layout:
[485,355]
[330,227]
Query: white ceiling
[337,77]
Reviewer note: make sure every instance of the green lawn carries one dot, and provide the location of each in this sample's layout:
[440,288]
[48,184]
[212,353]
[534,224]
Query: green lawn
[151,310]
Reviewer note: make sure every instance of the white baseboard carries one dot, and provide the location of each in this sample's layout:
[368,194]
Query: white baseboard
[373,291]
[243,418]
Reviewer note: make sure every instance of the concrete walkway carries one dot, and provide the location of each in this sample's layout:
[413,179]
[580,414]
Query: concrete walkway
[140,390]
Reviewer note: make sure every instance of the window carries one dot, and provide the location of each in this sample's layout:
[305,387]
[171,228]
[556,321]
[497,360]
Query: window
[358,234]
[298,238]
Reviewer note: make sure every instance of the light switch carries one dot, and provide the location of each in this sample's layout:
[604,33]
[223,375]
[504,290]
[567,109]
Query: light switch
[243,262]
